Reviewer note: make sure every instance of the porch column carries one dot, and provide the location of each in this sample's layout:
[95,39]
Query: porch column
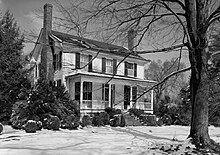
[152,101]
[81,93]
[109,95]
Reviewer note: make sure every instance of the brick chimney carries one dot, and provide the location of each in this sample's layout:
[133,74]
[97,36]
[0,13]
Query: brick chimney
[48,17]
[46,69]
[132,39]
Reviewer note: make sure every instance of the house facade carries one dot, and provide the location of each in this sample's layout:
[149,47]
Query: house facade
[96,74]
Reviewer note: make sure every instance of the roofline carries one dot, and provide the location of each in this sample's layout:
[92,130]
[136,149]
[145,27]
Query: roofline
[97,49]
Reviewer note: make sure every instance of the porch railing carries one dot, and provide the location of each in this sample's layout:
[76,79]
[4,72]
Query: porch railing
[96,104]
[143,105]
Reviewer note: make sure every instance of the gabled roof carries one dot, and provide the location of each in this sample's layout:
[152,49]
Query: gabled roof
[95,45]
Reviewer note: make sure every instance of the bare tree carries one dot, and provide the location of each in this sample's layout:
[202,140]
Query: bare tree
[158,70]
[165,25]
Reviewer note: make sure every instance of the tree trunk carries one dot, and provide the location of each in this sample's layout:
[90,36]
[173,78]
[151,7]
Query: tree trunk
[197,12]
[199,99]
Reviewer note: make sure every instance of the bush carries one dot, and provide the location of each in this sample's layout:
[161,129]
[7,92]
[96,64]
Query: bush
[31,126]
[53,123]
[118,120]
[136,112]
[101,119]
[44,100]
[112,112]
[86,120]
[70,122]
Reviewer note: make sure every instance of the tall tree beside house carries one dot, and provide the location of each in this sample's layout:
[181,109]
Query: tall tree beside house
[12,75]
[158,70]
[173,24]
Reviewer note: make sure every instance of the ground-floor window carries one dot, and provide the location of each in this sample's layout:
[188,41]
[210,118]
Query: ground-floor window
[87,90]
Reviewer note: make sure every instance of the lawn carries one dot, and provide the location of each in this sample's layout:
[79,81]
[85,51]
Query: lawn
[100,141]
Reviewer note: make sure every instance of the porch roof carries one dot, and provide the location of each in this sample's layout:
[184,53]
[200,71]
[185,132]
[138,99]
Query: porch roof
[101,75]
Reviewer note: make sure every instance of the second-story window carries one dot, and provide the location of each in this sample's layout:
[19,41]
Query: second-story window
[83,61]
[57,61]
[130,69]
[109,66]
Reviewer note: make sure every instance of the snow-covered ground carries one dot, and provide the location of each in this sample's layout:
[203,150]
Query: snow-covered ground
[97,140]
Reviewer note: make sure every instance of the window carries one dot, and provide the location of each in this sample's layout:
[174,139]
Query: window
[59,83]
[87,90]
[109,65]
[105,92]
[130,69]
[82,61]
[57,61]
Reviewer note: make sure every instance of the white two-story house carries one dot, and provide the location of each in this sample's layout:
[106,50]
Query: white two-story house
[96,74]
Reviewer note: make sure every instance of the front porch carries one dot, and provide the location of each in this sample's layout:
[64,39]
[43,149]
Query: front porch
[95,93]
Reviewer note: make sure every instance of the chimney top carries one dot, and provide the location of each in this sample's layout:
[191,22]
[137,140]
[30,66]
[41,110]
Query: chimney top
[132,39]
[47,5]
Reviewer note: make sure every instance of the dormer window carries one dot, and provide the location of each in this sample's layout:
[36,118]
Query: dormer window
[130,69]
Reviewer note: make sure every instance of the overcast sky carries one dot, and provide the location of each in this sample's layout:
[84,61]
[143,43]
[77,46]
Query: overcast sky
[23,11]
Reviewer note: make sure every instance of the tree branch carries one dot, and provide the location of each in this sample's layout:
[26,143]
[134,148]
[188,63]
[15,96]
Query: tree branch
[178,2]
[162,50]
[162,81]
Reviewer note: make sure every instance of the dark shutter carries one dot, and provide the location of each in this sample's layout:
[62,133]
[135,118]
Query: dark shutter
[103,92]
[54,62]
[127,95]
[103,65]
[135,70]
[114,66]
[90,64]
[60,60]
[126,69]
[77,60]
[112,95]
[77,91]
